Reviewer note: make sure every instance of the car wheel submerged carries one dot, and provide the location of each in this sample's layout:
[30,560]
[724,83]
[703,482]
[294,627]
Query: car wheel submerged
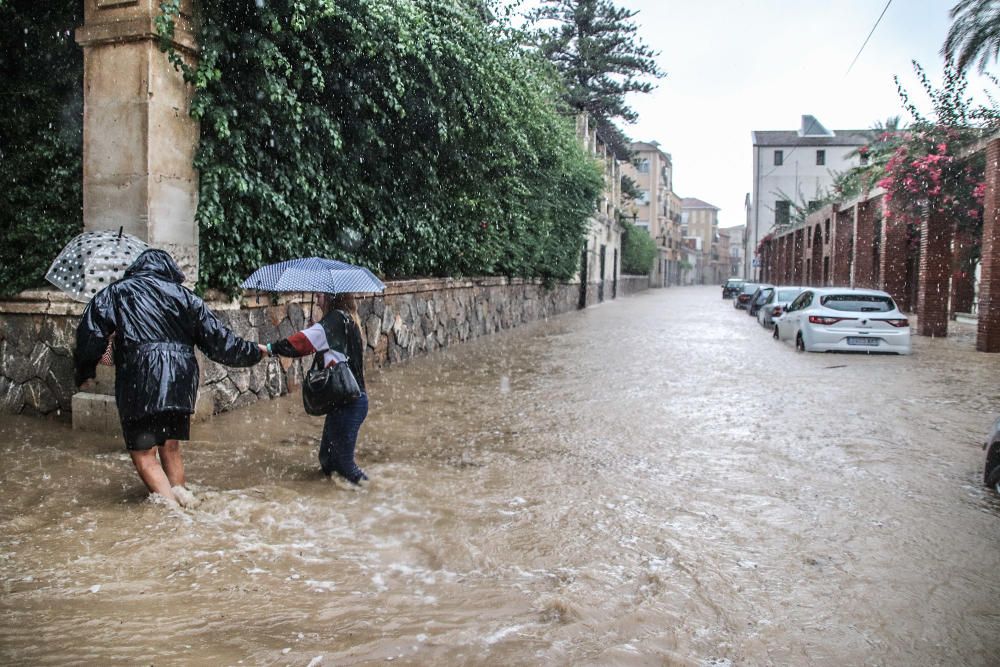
[993,479]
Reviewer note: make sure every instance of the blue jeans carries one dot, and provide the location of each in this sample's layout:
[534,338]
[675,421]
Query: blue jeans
[340,437]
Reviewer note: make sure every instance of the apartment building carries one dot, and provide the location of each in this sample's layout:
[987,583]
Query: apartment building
[736,243]
[600,261]
[793,167]
[655,209]
[700,220]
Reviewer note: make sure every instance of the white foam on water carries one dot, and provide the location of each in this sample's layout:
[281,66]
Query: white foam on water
[318,660]
[320,586]
[503,632]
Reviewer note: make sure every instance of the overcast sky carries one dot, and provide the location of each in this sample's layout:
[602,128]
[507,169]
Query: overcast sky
[734,66]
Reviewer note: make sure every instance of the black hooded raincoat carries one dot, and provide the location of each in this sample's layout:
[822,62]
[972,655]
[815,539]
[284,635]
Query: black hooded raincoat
[157,323]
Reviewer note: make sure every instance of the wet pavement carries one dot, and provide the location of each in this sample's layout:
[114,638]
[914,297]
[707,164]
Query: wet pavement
[651,481]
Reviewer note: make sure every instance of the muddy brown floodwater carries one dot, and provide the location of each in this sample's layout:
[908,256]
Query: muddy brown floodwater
[652,481]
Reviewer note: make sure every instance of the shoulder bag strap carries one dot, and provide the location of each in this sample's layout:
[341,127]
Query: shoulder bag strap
[335,329]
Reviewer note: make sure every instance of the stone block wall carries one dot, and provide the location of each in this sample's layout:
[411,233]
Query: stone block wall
[37,337]
[628,285]
[411,318]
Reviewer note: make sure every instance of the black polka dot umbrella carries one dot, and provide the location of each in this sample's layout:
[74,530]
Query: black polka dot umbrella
[92,261]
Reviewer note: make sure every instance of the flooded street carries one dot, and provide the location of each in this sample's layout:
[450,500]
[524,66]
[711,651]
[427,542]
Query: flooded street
[652,481]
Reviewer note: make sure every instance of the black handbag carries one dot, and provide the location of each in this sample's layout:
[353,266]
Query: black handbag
[327,388]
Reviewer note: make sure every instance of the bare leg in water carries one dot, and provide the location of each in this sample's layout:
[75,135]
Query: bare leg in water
[151,472]
[173,465]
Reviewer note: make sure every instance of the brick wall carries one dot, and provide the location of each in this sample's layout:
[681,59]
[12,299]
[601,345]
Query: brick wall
[988,338]
[864,244]
[935,271]
[843,250]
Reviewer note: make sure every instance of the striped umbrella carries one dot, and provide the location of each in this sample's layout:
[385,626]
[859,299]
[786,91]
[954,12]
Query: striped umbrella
[313,274]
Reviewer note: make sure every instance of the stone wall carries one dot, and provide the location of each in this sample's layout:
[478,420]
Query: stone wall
[36,353]
[411,318]
[629,285]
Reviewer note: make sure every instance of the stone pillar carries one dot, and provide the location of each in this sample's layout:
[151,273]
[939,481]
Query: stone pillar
[935,270]
[893,261]
[988,335]
[138,137]
[139,142]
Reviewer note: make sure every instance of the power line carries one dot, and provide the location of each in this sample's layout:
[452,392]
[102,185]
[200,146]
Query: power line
[879,20]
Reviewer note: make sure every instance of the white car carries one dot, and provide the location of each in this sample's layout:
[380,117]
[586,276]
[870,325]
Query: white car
[830,319]
[777,301]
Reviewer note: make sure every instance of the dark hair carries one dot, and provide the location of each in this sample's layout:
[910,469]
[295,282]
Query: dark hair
[347,303]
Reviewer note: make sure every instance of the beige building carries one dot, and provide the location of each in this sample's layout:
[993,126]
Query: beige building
[655,210]
[736,243]
[600,262]
[700,220]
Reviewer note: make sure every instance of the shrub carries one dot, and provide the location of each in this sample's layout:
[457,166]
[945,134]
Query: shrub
[638,250]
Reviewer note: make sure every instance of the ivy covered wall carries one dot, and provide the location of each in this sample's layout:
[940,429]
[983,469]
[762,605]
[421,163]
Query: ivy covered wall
[416,137]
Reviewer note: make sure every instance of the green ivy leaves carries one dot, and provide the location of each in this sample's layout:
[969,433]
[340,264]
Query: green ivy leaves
[425,137]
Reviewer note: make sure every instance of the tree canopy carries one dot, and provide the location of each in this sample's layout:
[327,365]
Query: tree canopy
[596,49]
[41,137]
[416,137]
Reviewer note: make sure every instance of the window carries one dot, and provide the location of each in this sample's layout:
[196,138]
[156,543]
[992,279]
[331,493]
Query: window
[779,158]
[643,198]
[782,212]
[787,295]
[642,165]
[858,303]
[801,302]
[820,157]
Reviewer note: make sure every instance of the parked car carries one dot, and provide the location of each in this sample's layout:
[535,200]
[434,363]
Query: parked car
[758,298]
[777,301]
[844,319]
[991,472]
[743,296]
[732,287]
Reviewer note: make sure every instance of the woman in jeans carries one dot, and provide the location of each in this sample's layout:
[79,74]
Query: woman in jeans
[337,336]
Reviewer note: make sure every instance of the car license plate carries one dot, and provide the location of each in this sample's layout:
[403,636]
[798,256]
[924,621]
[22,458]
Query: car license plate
[857,340]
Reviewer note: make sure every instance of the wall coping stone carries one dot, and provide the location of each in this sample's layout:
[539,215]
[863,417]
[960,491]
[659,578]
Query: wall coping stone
[42,301]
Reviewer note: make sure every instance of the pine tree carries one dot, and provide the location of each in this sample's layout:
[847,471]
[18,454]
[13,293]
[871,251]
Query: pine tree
[595,48]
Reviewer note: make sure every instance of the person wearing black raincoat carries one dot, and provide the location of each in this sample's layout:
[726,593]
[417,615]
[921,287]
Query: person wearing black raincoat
[157,323]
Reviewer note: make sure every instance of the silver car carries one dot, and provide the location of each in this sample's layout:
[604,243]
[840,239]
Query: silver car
[991,473]
[776,303]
